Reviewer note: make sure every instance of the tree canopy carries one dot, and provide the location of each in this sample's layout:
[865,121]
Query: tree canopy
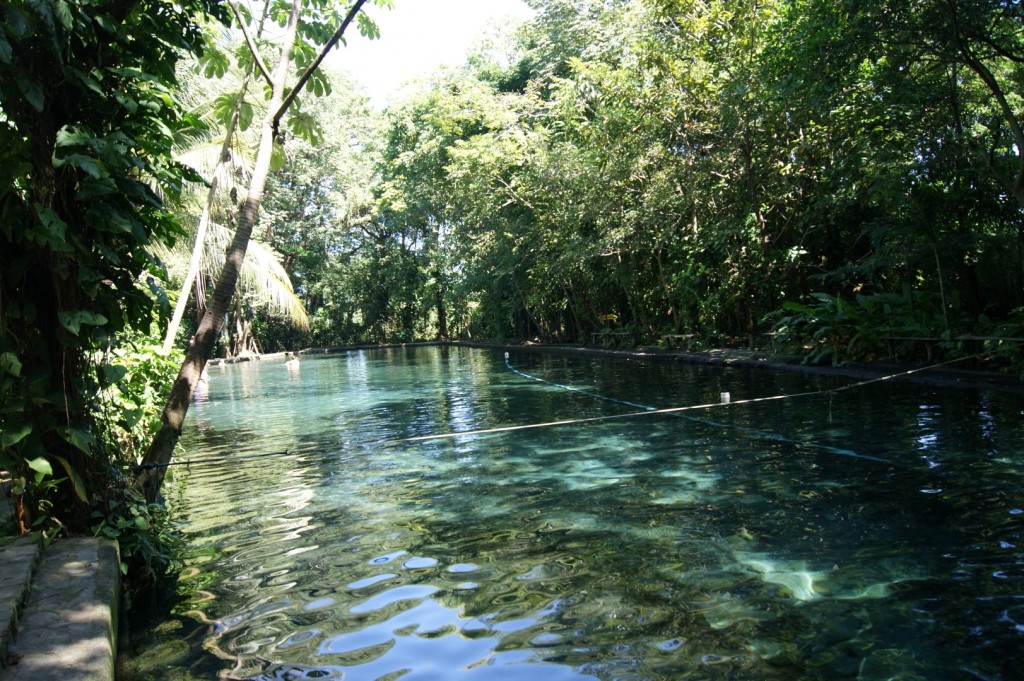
[669,166]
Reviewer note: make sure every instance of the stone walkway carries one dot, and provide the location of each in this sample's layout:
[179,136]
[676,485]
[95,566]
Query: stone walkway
[58,609]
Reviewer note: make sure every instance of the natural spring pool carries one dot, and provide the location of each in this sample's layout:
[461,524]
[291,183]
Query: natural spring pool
[874,533]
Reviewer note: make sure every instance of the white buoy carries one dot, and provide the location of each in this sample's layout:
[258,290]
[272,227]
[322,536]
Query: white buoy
[726,398]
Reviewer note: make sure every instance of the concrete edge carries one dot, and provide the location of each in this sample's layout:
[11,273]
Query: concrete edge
[20,558]
[70,624]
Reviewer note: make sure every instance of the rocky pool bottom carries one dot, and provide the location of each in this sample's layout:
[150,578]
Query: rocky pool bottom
[872,533]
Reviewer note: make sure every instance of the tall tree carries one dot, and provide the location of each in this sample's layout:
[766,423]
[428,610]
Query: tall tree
[86,123]
[687,166]
[315,206]
[199,245]
[281,99]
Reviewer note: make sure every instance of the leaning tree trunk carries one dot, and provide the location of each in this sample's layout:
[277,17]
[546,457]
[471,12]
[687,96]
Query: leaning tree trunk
[158,456]
[161,450]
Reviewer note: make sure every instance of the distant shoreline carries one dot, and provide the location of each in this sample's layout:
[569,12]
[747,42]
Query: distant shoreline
[940,376]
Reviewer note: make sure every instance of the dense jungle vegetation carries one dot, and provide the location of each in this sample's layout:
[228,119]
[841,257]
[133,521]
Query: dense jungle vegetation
[848,174]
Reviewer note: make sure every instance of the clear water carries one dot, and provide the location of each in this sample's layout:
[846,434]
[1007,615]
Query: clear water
[871,534]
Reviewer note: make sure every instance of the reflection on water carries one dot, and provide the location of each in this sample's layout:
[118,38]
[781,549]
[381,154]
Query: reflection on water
[739,544]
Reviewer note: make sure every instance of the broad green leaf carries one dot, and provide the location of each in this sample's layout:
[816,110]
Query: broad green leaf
[127,102]
[278,158]
[33,91]
[40,465]
[305,126]
[82,440]
[76,480]
[132,417]
[119,222]
[214,63]
[245,115]
[17,22]
[5,49]
[10,364]
[56,228]
[72,320]
[223,107]
[63,14]
[13,435]
[89,165]
[367,27]
[92,84]
[92,188]
[105,23]
[113,373]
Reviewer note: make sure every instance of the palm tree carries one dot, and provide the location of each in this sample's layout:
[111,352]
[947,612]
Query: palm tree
[227,164]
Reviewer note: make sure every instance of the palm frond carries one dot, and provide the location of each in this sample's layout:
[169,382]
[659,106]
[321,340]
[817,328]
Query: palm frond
[205,159]
[262,275]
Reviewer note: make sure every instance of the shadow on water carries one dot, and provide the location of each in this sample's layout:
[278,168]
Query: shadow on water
[649,548]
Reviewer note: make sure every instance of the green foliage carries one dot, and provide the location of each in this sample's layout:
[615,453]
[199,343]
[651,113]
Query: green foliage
[312,138]
[690,167]
[87,116]
[906,326]
[135,376]
[687,167]
[316,214]
[149,543]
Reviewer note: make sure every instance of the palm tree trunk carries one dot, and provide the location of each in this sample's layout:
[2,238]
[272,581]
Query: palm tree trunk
[204,221]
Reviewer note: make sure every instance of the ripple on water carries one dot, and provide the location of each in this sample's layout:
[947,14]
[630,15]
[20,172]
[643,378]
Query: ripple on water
[594,549]
[419,563]
[370,581]
[291,671]
[298,638]
[319,604]
[387,558]
[407,592]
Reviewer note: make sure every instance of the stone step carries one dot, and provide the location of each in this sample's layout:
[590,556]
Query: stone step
[19,558]
[68,628]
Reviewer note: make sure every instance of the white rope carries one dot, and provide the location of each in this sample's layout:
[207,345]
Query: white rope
[649,411]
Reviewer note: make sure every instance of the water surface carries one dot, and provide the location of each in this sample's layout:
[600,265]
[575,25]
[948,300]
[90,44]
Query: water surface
[873,533]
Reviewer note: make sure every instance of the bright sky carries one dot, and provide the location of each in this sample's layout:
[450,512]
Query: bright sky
[416,37]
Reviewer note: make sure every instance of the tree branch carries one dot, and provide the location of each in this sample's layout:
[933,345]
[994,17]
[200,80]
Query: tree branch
[316,62]
[990,81]
[1002,51]
[264,71]
[515,197]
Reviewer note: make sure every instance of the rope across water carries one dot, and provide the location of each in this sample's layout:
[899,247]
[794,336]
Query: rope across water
[648,410]
[645,410]
[681,411]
